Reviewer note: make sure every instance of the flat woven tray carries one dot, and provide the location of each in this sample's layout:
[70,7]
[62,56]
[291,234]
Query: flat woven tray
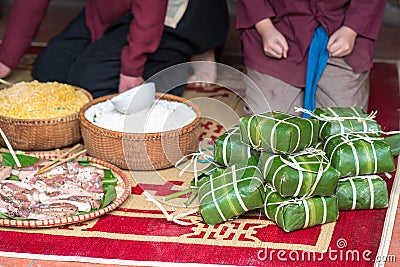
[123,191]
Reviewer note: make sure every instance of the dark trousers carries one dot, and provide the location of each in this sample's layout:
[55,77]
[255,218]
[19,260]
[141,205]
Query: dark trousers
[71,57]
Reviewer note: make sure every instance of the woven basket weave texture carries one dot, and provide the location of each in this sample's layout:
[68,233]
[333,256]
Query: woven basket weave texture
[141,151]
[42,134]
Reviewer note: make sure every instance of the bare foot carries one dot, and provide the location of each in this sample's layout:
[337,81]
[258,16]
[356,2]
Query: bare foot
[205,69]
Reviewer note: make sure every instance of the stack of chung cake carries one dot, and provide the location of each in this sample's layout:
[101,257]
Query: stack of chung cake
[303,178]
[299,180]
[353,143]
[236,185]
[299,172]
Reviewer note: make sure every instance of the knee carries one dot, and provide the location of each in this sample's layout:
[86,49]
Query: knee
[51,65]
[41,69]
[99,81]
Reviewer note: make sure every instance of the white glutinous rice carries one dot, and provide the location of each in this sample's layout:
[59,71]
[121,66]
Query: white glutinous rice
[161,117]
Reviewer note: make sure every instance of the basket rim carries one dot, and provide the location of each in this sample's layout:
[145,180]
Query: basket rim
[141,136]
[66,118]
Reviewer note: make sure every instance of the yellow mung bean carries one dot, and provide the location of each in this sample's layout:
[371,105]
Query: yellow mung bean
[36,100]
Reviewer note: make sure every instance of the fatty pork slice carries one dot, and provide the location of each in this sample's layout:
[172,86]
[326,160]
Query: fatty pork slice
[86,184]
[15,191]
[8,208]
[61,192]
[5,172]
[27,174]
[76,196]
[88,177]
[73,191]
[55,210]
[74,168]
[70,188]
[17,197]
[4,206]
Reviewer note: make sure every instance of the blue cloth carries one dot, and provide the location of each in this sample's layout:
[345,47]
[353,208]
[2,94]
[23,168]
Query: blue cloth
[317,59]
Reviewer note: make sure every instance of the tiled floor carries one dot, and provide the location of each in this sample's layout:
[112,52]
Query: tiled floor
[61,12]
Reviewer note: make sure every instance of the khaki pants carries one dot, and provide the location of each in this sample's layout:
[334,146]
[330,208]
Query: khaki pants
[339,86]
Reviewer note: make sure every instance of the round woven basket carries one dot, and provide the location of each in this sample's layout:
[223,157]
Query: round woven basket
[141,151]
[42,134]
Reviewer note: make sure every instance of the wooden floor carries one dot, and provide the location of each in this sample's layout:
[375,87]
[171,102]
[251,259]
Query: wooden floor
[61,12]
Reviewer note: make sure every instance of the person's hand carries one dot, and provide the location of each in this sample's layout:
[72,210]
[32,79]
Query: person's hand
[4,70]
[128,82]
[341,42]
[274,43]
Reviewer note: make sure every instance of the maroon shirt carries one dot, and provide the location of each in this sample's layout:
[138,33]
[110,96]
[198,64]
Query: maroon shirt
[297,20]
[144,36]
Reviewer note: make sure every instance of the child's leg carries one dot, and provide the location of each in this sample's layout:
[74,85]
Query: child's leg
[203,73]
[341,86]
[272,95]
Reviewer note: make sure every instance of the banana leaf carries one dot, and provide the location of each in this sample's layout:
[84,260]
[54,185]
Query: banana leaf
[394,143]
[362,192]
[234,191]
[356,154]
[340,120]
[306,173]
[298,213]
[278,132]
[229,149]
[204,174]
[25,160]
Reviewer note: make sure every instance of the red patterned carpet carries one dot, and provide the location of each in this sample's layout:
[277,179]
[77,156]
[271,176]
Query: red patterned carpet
[385,95]
[137,233]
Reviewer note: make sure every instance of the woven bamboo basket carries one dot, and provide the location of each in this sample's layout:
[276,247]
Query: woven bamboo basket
[42,134]
[141,151]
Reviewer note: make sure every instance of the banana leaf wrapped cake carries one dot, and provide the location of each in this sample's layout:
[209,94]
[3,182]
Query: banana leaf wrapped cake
[278,132]
[230,193]
[305,173]
[340,120]
[298,213]
[229,149]
[355,154]
[362,192]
